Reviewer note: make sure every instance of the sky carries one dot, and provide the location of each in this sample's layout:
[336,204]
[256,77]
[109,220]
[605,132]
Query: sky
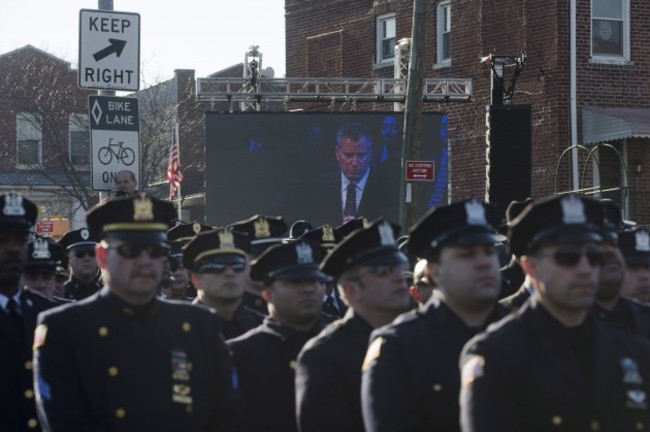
[204,35]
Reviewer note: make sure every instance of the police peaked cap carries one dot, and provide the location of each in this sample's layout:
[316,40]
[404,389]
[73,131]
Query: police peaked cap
[635,246]
[141,218]
[373,245]
[43,255]
[78,239]
[557,219]
[352,225]
[185,232]
[217,245]
[612,220]
[17,213]
[325,235]
[464,223]
[263,231]
[297,260]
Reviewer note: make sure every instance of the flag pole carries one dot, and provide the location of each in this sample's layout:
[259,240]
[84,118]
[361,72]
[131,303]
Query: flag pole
[180,199]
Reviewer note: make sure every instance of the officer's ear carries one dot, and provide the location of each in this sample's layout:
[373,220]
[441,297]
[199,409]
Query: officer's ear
[100,255]
[267,294]
[528,265]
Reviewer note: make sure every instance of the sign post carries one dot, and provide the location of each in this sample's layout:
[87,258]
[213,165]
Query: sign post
[109,50]
[114,139]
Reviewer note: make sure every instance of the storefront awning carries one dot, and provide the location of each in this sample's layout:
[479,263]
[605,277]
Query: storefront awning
[611,124]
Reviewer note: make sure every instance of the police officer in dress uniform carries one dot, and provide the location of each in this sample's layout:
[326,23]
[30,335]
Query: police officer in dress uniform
[263,232]
[43,254]
[217,260]
[369,269]
[18,312]
[265,357]
[124,359]
[635,245]
[550,365]
[180,287]
[416,356]
[328,237]
[85,277]
[610,306]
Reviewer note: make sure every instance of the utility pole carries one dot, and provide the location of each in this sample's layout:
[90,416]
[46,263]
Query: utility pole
[413,112]
[105,5]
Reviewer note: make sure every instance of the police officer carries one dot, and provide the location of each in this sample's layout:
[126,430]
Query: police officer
[635,245]
[125,359]
[368,268]
[180,286]
[263,232]
[85,277]
[416,357]
[328,237]
[43,254]
[217,260]
[614,309]
[265,357]
[550,365]
[18,312]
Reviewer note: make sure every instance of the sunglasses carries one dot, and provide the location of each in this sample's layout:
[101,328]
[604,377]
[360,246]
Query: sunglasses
[83,253]
[131,250]
[217,268]
[569,256]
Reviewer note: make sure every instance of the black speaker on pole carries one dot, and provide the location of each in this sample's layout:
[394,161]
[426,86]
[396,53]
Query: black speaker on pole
[508,153]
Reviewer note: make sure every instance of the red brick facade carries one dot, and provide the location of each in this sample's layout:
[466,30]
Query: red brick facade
[502,27]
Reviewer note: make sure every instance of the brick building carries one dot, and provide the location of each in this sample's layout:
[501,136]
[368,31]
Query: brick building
[44,145]
[612,55]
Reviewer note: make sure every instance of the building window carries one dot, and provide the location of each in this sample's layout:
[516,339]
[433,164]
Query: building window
[610,28]
[29,139]
[443,33]
[385,38]
[79,140]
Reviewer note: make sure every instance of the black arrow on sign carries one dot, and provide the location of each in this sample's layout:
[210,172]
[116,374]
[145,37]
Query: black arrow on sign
[116,46]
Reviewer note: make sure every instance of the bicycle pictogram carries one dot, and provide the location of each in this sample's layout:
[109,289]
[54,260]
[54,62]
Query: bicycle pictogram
[122,154]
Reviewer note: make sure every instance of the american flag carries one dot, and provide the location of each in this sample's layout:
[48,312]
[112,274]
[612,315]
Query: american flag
[174,175]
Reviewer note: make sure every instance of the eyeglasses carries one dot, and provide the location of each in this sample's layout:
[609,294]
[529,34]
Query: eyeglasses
[218,268]
[569,256]
[131,250]
[82,253]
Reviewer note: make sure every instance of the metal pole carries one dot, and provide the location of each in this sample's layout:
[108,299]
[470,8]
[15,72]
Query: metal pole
[105,5]
[413,113]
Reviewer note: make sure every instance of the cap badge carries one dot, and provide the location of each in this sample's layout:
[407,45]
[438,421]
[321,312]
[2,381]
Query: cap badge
[631,373]
[328,233]
[226,239]
[262,228]
[475,212]
[196,227]
[142,208]
[642,241]
[84,233]
[573,210]
[304,253]
[41,249]
[13,205]
[365,222]
[386,234]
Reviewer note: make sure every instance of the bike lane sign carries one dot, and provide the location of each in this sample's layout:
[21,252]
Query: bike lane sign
[114,139]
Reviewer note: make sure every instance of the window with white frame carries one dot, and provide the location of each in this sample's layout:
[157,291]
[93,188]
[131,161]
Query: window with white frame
[385,38]
[610,28]
[79,140]
[29,140]
[443,33]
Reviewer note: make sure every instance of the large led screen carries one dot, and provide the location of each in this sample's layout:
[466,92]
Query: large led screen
[299,165]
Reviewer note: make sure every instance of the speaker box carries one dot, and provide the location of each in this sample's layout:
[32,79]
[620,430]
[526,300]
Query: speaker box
[508,153]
